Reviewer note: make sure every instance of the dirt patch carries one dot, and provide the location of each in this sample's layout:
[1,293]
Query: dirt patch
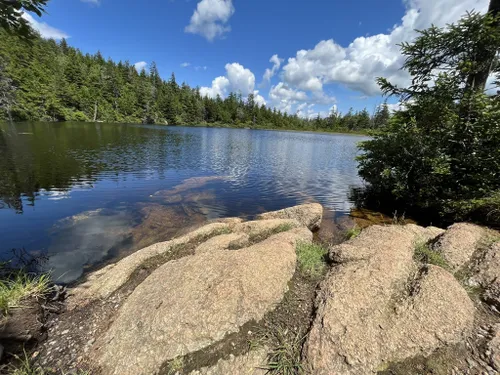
[23,327]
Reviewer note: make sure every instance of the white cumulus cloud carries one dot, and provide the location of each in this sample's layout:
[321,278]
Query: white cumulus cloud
[95,2]
[46,31]
[238,79]
[219,88]
[259,99]
[367,57]
[269,73]
[291,100]
[210,19]
[185,64]
[140,65]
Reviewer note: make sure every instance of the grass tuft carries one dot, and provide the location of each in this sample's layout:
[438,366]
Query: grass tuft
[23,365]
[311,259]
[424,254]
[18,286]
[259,236]
[354,232]
[176,365]
[285,356]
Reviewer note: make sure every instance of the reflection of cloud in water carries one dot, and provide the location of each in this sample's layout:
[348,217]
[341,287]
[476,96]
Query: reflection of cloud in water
[55,195]
[85,239]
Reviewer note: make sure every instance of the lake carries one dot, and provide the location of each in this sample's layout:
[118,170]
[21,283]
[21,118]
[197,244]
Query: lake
[86,194]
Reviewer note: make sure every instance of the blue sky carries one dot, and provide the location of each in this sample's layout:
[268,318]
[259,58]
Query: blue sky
[319,54]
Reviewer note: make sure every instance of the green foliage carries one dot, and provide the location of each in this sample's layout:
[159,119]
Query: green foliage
[49,81]
[10,15]
[175,366]
[311,259]
[424,254]
[441,153]
[353,232]
[17,286]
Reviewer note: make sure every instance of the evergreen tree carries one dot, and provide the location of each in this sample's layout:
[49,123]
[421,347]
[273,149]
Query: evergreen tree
[50,81]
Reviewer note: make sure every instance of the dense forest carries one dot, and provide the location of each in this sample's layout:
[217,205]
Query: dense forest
[45,80]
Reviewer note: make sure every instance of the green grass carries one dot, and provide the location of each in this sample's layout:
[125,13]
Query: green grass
[18,286]
[424,254]
[354,232]
[24,366]
[285,355]
[311,259]
[175,366]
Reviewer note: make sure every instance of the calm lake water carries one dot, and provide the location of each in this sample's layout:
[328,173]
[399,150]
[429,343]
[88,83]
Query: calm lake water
[85,194]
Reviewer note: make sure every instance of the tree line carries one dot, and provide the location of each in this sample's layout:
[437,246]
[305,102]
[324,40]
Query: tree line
[45,80]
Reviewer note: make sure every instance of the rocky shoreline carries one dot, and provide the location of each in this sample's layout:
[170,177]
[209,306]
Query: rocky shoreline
[228,296]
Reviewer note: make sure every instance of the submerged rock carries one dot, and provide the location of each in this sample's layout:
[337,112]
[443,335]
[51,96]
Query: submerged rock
[309,215]
[377,307]
[191,303]
[85,238]
[188,184]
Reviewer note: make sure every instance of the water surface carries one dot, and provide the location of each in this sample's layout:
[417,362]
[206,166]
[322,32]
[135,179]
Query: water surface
[90,193]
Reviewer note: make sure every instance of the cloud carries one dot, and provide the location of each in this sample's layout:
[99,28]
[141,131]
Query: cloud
[210,19]
[185,65]
[140,65]
[94,2]
[290,100]
[359,64]
[269,73]
[241,79]
[46,31]
[200,68]
[238,79]
[219,88]
[259,99]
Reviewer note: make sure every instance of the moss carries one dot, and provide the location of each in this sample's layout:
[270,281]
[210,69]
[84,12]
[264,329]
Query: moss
[257,237]
[311,259]
[424,254]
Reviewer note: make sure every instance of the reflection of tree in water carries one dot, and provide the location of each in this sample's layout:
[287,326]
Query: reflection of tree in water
[60,156]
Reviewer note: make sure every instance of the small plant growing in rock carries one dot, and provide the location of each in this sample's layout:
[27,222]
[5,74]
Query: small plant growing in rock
[353,232]
[311,259]
[424,254]
[257,237]
[175,366]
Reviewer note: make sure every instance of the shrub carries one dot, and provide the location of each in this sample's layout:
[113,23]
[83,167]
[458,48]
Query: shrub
[441,153]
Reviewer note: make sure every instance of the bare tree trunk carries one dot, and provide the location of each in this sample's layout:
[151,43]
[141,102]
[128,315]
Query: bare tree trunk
[478,80]
[95,111]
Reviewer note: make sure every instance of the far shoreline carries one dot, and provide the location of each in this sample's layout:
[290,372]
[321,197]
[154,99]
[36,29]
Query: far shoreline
[361,132]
